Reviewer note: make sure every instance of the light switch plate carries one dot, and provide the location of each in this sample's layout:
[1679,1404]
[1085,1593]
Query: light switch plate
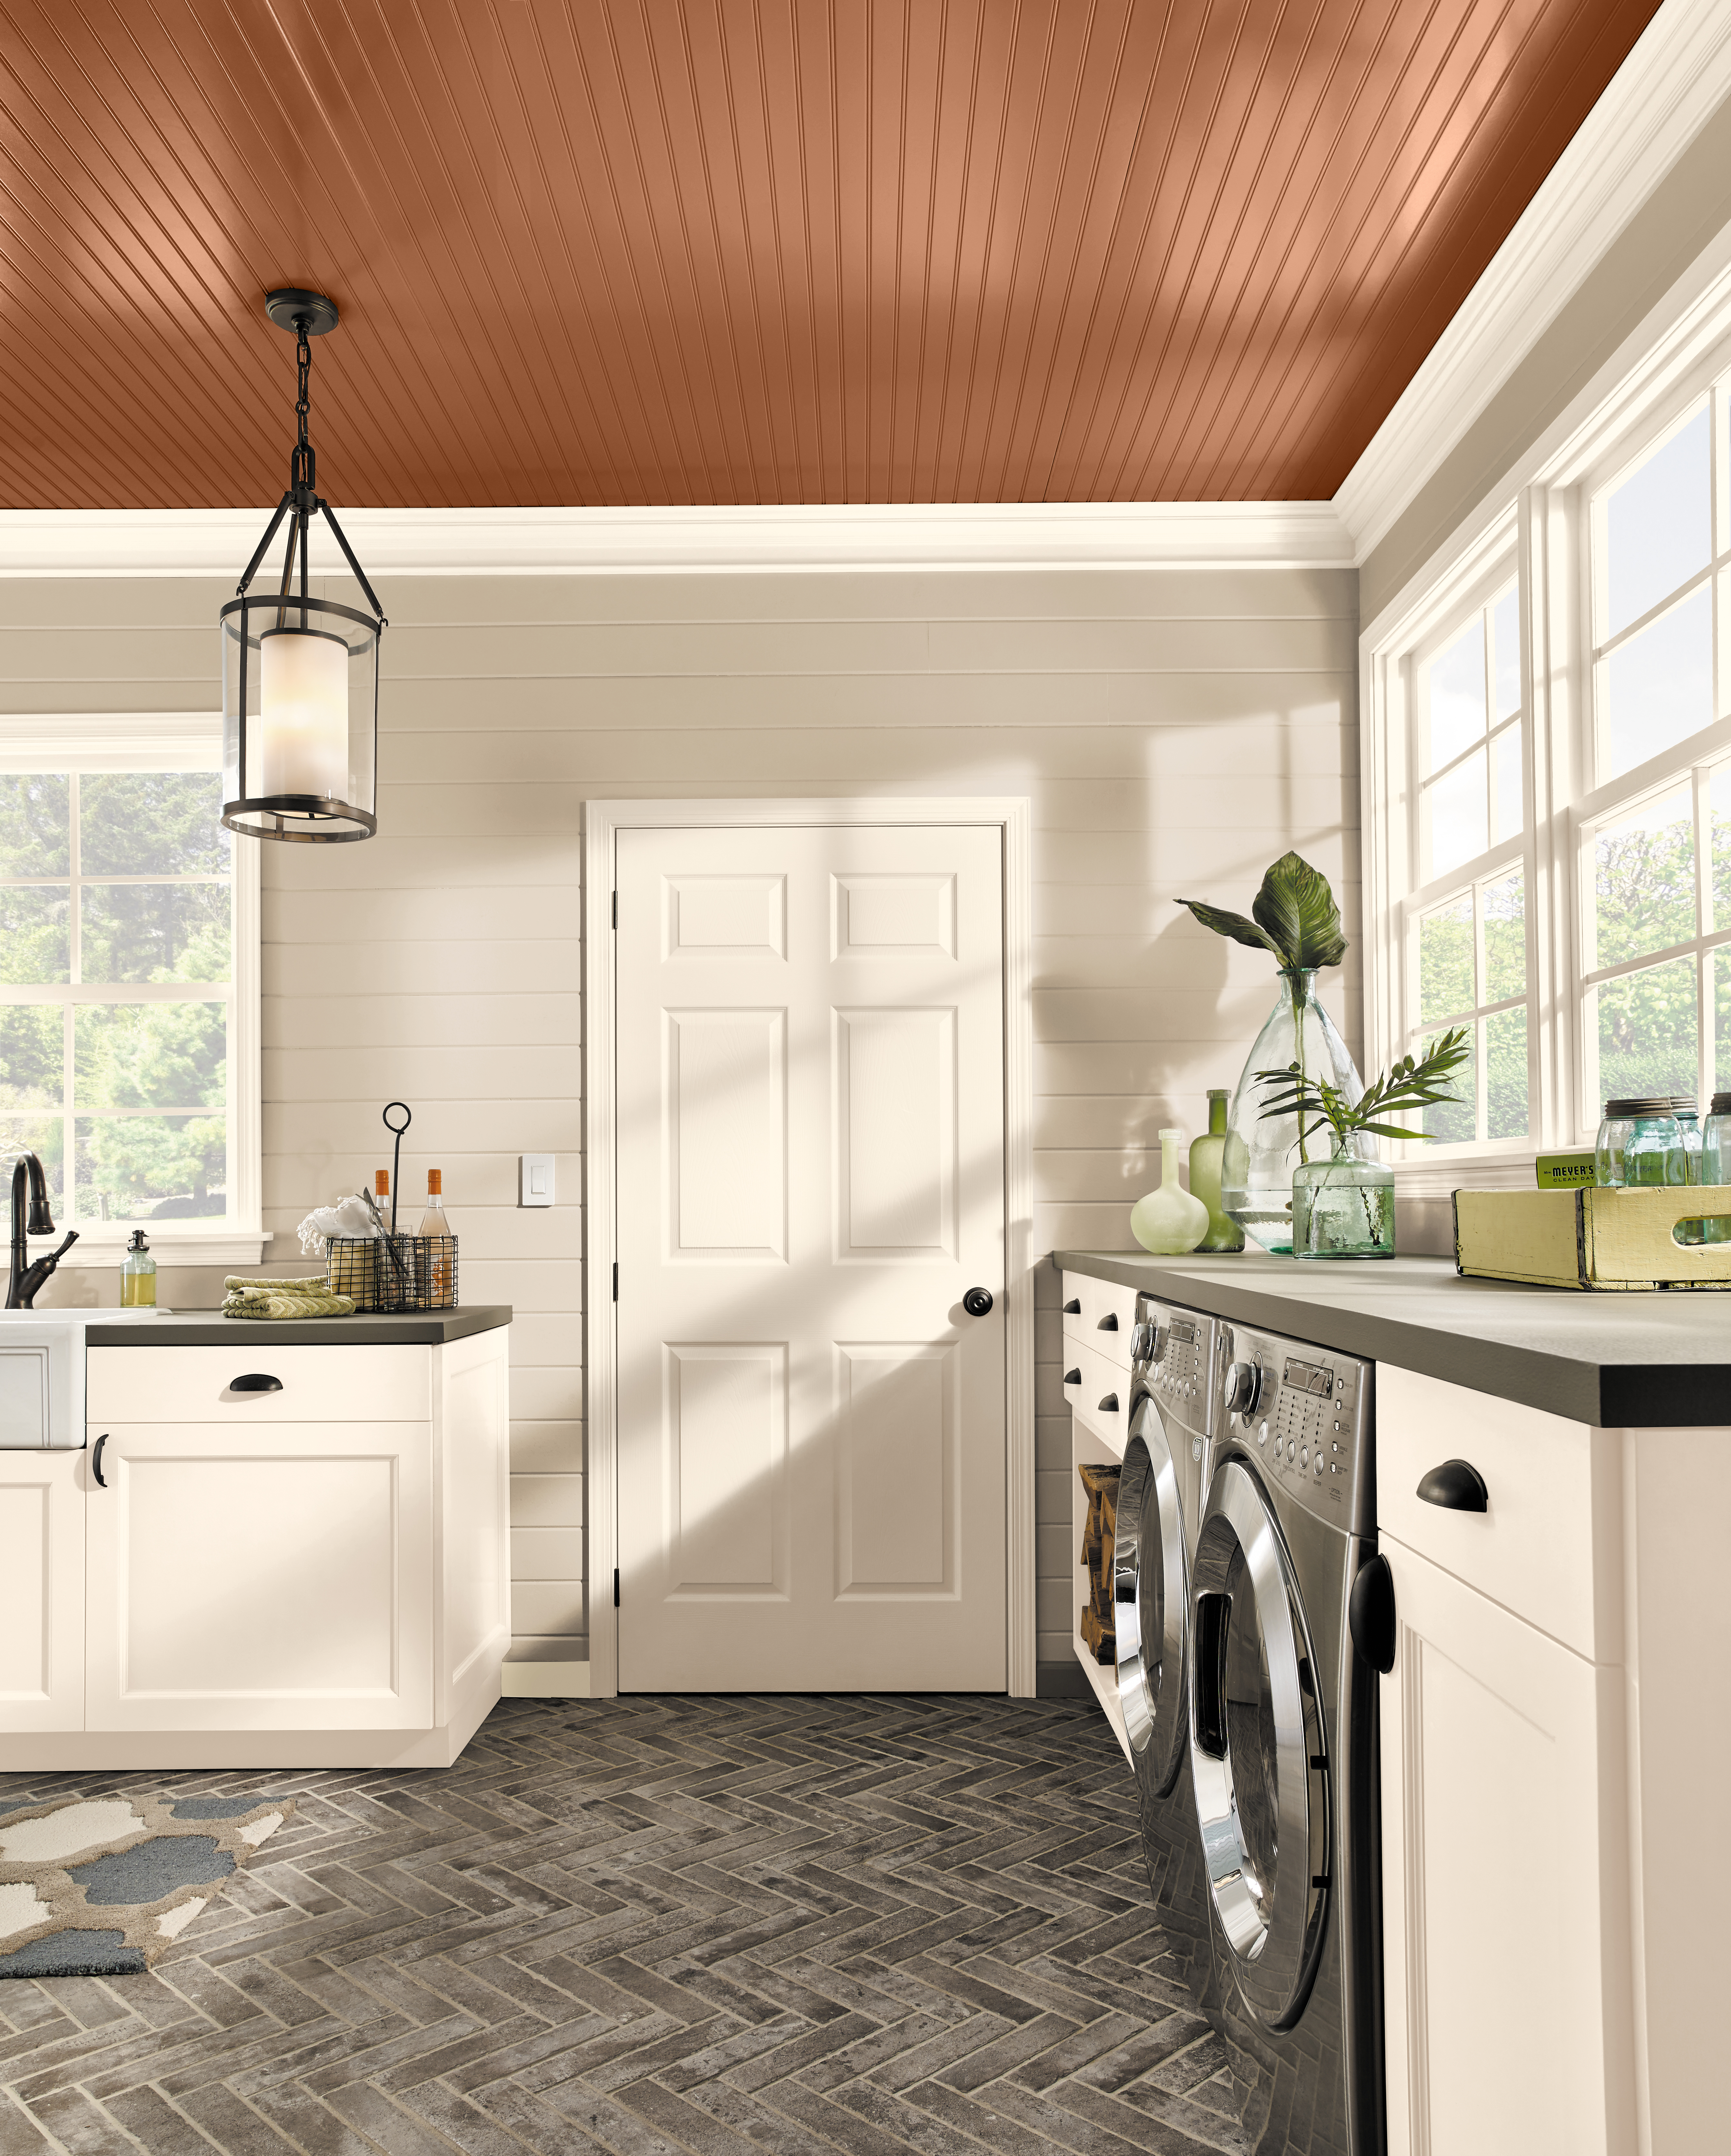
[535,1178]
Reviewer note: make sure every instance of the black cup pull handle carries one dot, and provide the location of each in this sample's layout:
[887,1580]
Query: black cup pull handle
[1371,1613]
[1457,1487]
[1109,1323]
[255,1381]
[1109,1404]
[96,1462]
[1073,1377]
[1073,1308]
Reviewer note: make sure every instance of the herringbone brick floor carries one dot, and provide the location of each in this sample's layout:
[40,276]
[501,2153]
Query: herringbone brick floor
[728,1925]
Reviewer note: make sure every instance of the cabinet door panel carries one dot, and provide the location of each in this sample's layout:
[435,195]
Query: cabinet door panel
[280,1579]
[42,1591]
[1501,1927]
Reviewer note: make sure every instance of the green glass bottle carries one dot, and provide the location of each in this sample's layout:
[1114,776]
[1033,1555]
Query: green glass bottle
[1224,1233]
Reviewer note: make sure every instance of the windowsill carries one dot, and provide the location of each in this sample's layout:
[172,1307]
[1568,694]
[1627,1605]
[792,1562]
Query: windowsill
[175,1243]
[1438,1179]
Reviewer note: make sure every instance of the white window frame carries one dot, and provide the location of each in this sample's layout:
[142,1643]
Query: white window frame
[1541,521]
[179,741]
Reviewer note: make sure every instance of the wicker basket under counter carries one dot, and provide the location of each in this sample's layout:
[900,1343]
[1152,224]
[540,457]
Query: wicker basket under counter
[407,1272]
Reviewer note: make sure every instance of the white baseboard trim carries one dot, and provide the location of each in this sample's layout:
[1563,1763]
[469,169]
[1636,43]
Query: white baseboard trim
[538,1677]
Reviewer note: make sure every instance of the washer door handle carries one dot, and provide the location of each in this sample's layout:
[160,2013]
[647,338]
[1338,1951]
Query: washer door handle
[1371,1613]
[1457,1487]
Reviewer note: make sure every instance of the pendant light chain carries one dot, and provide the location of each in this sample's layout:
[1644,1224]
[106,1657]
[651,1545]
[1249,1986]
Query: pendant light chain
[302,465]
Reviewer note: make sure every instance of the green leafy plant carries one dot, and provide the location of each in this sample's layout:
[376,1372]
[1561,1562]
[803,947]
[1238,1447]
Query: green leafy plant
[1294,916]
[1415,1082]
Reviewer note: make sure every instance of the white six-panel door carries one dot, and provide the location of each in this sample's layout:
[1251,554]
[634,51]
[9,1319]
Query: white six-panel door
[810,1148]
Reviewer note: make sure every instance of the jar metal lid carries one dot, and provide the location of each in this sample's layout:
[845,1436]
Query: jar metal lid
[1721,1105]
[1653,1104]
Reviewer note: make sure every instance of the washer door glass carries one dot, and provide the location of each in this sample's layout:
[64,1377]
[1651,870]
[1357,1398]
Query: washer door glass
[1258,1754]
[1151,1591]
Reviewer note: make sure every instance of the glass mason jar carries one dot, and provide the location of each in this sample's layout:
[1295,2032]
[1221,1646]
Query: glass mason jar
[1343,1208]
[1716,1162]
[1262,1152]
[1688,1123]
[1653,1156]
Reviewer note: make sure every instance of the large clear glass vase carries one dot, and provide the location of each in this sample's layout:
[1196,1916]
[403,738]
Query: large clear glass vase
[1262,1151]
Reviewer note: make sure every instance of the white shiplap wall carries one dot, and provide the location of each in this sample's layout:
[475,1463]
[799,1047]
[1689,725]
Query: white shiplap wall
[1175,729]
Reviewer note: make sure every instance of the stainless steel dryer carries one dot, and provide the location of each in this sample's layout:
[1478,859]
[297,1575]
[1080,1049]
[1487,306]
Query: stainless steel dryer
[1282,1741]
[1159,1500]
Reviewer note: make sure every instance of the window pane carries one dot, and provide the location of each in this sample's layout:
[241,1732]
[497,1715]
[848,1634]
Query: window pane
[150,1056]
[1505,1093]
[31,1056]
[1455,808]
[36,932]
[45,1136]
[1505,938]
[1719,811]
[1506,652]
[151,1167]
[1722,1018]
[1509,784]
[151,823]
[153,932]
[1647,1032]
[35,823]
[1444,961]
[1658,526]
[1453,1122]
[1458,696]
[1644,880]
[1659,686]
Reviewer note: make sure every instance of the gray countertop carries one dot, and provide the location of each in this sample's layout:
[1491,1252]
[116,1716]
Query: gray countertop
[209,1328]
[1622,1361]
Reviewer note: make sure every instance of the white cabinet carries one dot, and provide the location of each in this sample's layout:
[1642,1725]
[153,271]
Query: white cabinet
[311,1570]
[279,1576]
[42,1590]
[1502,1942]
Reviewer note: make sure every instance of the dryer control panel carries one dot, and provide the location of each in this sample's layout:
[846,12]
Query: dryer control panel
[1174,1352]
[1301,1413]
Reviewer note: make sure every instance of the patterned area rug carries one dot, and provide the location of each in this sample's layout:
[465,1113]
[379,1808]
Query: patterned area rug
[99,1887]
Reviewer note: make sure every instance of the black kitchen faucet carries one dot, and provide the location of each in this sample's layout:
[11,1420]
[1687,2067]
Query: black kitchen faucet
[26,1278]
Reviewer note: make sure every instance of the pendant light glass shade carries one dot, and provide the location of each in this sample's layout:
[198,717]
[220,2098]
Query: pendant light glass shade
[300,674]
[300,700]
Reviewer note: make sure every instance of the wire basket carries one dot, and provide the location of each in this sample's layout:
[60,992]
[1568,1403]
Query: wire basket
[401,1272]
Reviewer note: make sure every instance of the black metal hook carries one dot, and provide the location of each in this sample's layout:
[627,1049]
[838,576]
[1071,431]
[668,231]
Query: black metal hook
[409,1116]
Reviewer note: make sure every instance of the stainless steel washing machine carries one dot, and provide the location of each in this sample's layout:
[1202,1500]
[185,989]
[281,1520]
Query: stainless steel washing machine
[1173,1388]
[1290,1622]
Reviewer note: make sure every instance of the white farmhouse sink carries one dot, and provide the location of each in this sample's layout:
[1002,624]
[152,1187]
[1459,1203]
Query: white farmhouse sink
[42,1375]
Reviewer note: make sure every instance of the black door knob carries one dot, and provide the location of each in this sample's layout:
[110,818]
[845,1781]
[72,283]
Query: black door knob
[977,1301]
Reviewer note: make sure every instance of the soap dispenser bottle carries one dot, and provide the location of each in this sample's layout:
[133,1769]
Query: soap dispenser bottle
[138,1275]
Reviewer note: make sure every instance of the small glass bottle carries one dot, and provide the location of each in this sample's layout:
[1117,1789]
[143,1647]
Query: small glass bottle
[138,1275]
[1688,1122]
[1169,1221]
[440,1271]
[1224,1234]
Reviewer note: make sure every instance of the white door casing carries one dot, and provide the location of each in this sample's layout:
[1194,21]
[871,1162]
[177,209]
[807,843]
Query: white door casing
[814,1015]
[42,1590]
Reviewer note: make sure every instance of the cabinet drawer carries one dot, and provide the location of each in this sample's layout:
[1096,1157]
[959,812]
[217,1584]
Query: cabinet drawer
[1547,1545]
[318,1384]
[1103,1318]
[1090,1381]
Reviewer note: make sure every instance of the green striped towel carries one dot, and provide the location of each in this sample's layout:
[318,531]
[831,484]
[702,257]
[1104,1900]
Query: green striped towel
[283,1298]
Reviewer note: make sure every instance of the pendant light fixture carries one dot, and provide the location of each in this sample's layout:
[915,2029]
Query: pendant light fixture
[300,674]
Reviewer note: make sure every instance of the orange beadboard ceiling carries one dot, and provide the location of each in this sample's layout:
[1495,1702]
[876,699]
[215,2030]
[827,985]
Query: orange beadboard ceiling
[731,251]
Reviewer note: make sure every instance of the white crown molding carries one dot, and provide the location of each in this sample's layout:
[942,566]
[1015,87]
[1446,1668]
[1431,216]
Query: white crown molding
[1676,75]
[217,542]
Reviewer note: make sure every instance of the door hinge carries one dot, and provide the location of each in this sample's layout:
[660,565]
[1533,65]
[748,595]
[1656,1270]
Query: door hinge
[616,1586]
[616,1280]
[616,909]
